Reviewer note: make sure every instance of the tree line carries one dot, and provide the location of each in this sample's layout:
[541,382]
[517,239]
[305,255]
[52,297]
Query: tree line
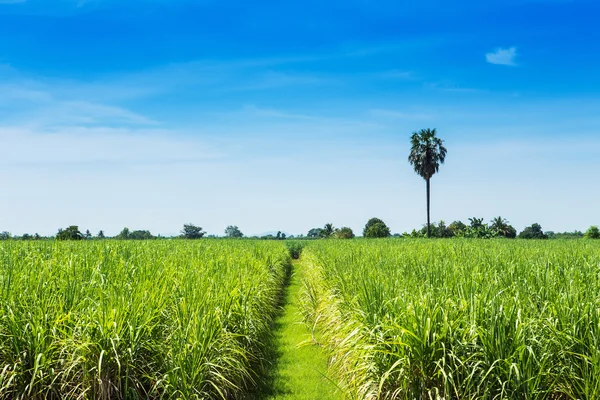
[374,228]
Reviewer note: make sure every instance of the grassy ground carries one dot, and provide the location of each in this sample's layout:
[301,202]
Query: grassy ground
[300,367]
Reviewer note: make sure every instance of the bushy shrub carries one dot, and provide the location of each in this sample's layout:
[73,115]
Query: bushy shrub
[376,228]
[593,232]
[533,232]
[71,233]
[344,233]
[295,248]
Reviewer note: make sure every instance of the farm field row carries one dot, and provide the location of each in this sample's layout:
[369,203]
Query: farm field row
[458,319]
[113,319]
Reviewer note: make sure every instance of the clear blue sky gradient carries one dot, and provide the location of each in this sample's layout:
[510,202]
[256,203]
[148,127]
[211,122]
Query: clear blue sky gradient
[289,115]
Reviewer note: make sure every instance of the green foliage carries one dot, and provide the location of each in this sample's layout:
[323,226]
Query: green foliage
[564,235]
[376,228]
[314,233]
[327,231]
[140,235]
[439,230]
[232,231]
[344,233]
[124,234]
[101,235]
[503,228]
[136,320]
[427,152]
[457,228]
[420,319]
[5,235]
[70,233]
[191,231]
[295,248]
[593,232]
[533,232]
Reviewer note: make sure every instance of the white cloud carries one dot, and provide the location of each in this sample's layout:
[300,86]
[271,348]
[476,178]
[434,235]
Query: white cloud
[71,145]
[503,56]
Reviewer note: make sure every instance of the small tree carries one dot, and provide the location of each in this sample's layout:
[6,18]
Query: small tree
[327,231]
[70,233]
[5,235]
[457,228]
[314,233]
[191,231]
[124,234]
[592,233]
[141,235]
[533,232]
[100,235]
[376,228]
[344,233]
[232,231]
[88,234]
[503,228]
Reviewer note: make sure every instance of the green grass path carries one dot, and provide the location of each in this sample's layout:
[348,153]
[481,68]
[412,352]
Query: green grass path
[300,366]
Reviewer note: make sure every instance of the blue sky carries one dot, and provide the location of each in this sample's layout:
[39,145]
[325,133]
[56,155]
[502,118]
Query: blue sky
[289,115]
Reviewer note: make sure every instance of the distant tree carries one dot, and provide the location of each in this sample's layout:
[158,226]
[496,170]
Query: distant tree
[191,231]
[140,235]
[70,233]
[280,236]
[124,234]
[426,154]
[26,236]
[439,230]
[88,234]
[533,232]
[327,231]
[478,229]
[344,233]
[5,235]
[100,235]
[592,233]
[314,233]
[376,228]
[565,235]
[37,236]
[503,228]
[457,228]
[232,231]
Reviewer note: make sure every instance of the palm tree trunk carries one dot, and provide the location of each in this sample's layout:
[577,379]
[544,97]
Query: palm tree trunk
[428,222]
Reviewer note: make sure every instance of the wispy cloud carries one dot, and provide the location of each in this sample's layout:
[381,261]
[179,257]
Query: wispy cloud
[27,100]
[80,145]
[400,114]
[451,87]
[503,56]
[274,79]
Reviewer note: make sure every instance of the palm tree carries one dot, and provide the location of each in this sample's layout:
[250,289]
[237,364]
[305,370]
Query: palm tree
[327,230]
[426,154]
